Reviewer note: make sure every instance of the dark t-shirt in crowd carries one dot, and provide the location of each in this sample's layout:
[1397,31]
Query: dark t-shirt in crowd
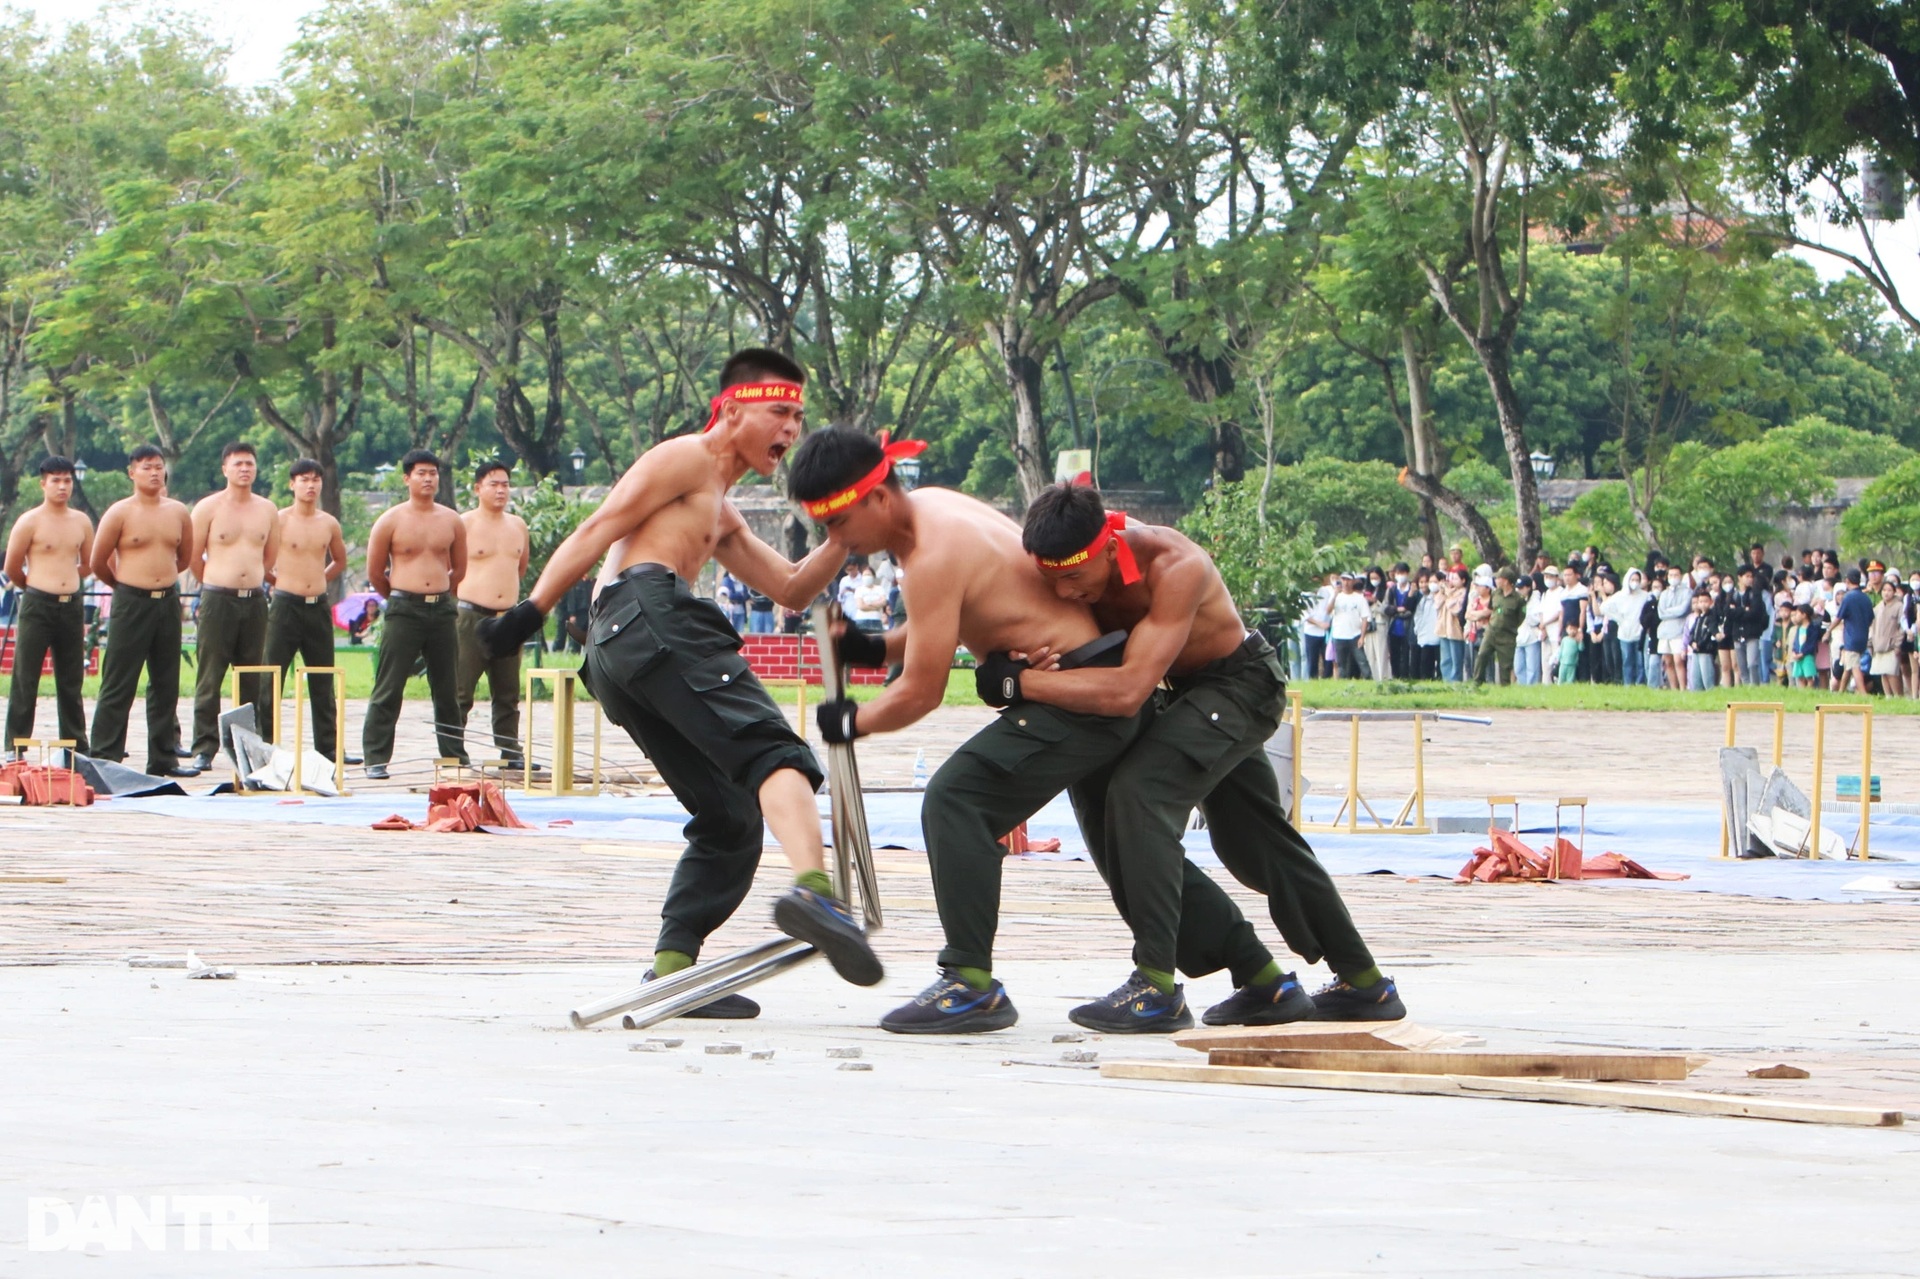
[1856,619]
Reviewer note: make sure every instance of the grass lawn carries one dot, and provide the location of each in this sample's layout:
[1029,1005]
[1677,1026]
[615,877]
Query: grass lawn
[1402,695]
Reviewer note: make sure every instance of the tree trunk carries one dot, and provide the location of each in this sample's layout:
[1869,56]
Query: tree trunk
[1024,378]
[1460,511]
[1526,490]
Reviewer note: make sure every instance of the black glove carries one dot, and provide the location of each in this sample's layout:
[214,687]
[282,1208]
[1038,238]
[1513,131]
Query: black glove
[997,679]
[856,647]
[502,636]
[835,719]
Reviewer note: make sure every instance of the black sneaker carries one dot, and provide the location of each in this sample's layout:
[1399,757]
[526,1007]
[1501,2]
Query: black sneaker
[725,1008]
[951,1007]
[1337,1001]
[377,773]
[1137,1008]
[827,926]
[1279,1001]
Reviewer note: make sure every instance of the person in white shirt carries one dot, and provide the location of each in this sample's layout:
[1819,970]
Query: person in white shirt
[1526,651]
[1313,628]
[1348,625]
[1426,628]
[1623,609]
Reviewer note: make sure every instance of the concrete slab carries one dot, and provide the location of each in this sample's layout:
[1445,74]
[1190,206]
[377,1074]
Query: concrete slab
[445,1118]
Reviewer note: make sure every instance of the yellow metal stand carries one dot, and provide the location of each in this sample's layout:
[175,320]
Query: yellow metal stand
[1820,714]
[239,781]
[1734,710]
[564,680]
[46,745]
[1415,805]
[1298,715]
[339,677]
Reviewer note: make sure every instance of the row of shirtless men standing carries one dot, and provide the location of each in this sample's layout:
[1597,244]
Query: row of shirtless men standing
[264,574]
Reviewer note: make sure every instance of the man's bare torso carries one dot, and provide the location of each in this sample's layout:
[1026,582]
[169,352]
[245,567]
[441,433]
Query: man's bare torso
[1218,628]
[236,536]
[55,542]
[421,549]
[494,547]
[305,540]
[147,551]
[682,533]
[964,546]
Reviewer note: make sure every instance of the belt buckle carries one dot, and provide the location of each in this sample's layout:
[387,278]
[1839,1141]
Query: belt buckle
[66,599]
[310,599]
[431,599]
[156,595]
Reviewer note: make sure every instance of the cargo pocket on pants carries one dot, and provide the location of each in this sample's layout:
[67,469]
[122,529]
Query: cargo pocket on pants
[624,643]
[1023,732]
[1204,726]
[726,686]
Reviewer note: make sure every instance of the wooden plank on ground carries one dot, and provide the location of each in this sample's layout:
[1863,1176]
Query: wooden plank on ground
[1549,1090]
[1526,1065]
[1383,1036]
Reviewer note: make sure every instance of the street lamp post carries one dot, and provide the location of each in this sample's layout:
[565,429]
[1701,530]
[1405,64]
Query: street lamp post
[908,469]
[80,469]
[579,459]
[1542,464]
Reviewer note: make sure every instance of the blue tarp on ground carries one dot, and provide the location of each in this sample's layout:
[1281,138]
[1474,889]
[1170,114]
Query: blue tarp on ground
[1660,837]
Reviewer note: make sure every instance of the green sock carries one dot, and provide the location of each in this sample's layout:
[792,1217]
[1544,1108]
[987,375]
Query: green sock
[978,978]
[1360,981]
[1268,975]
[668,962]
[1162,980]
[815,881]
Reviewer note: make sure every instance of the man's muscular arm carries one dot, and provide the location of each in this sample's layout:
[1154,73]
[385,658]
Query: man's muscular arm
[336,551]
[201,522]
[104,543]
[457,554]
[183,550]
[379,549]
[751,560]
[661,476]
[17,543]
[928,652]
[271,551]
[1178,580]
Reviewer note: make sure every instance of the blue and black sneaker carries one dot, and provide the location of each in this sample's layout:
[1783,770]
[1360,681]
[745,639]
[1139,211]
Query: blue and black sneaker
[1338,1001]
[1274,1003]
[951,1007]
[1137,1008]
[725,1008]
[829,928]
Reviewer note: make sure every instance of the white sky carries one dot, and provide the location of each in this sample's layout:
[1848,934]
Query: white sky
[259,32]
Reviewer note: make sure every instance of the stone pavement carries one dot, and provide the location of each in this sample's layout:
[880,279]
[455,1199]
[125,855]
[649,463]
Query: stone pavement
[391,1071]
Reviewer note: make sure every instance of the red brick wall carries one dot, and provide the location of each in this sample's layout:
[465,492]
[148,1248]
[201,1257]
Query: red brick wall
[794,657]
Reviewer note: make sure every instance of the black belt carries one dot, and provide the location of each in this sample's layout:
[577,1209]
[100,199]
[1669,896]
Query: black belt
[152,594]
[39,594]
[1253,648]
[1109,650]
[482,609]
[235,592]
[298,599]
[414,597]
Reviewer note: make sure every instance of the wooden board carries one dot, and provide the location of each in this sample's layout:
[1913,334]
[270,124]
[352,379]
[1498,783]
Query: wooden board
[1550,1090]
[1498,1064]
[1378,1036]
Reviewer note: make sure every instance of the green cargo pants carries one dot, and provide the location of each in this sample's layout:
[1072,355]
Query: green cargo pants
[45,624]
[1000,777]
[503,681]
[665,665]
[1206,748]
[302,626]
[1495,651]
[231,630]
[143,631]
[416,626]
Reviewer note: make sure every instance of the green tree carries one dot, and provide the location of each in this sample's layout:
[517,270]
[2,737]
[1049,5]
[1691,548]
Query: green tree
[1886,519]
[1269,565]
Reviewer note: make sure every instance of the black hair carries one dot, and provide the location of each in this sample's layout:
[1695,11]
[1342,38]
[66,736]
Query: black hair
[1853,577]
[54,464]
[304,466]
[238,446]
[1062,520]
[1401,567]
[830,460]
[491,465]
[757,364]
[418,457]
[144,451]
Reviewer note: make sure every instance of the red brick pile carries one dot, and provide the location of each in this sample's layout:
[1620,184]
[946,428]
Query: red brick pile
[1509,861]
[458,807]
[39,785]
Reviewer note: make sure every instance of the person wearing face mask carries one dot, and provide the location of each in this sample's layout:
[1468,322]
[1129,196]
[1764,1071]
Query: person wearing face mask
[1623,609]
[1426,628]
[1400,602]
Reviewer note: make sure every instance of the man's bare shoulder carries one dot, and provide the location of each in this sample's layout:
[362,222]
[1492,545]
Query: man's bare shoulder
[683,462]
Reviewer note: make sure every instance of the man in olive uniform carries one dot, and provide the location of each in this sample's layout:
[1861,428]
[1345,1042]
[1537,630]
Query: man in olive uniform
[143,545]
[313,552]
[966,581]
[1205,748]
[47,555]
[1503,629]
[416,556]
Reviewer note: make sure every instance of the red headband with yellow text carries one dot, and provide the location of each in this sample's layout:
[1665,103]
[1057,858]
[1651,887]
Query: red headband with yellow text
[834,503]
[1122,553]
[752,393]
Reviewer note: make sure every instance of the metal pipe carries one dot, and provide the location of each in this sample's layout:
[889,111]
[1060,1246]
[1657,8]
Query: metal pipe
[788,956]
[679,983]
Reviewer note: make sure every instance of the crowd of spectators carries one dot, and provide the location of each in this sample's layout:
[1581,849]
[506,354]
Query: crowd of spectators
[1805,624]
